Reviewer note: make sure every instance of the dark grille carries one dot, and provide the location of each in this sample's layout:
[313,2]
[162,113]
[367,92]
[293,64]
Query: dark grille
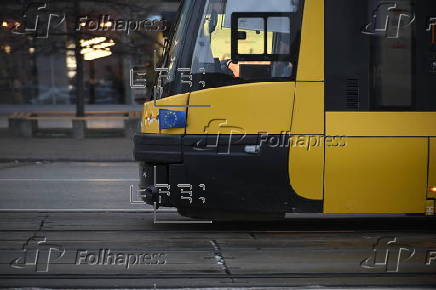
[352,98]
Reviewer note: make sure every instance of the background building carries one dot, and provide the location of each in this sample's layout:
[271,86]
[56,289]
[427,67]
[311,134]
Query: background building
[59,54]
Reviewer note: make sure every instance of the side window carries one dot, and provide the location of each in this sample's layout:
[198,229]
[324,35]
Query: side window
[392,55]
[261,45]
[379,55]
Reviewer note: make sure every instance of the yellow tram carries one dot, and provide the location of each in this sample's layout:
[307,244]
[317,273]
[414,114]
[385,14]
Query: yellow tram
[264,108]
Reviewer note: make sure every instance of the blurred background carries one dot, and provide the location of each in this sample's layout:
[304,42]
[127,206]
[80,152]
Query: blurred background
[36,70]
[69,74]
[74,58]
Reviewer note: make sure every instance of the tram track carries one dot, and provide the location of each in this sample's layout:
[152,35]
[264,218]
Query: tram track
[293,253]
[342,280]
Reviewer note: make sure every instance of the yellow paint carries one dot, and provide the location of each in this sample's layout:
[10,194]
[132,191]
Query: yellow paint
[306,164]
[149,123]
[311,59]
[251,108]
[306,171]
[412,124]
[376,175]
[432,168]
[308,117]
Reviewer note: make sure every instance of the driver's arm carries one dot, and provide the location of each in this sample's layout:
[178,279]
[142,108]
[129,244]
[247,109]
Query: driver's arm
[229,68]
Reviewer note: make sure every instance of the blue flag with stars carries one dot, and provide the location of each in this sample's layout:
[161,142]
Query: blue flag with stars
[169,119]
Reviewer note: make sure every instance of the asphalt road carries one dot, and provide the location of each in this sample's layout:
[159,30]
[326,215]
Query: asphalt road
[69,186]
[72,225]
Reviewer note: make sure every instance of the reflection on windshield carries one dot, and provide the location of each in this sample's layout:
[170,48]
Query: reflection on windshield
[167,74]
[211,64]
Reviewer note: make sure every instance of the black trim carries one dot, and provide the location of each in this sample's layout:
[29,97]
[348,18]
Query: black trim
[346,55]
[425,80]
[236,181]
[161,149]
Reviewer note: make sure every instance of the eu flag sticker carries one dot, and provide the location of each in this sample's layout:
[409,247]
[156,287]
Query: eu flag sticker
[169,119]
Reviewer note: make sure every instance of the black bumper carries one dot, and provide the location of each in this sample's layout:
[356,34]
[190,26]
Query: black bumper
[158,148]
[215,172]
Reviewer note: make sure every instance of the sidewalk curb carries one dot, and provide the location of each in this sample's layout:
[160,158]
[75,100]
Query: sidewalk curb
[66,150]
[7,160]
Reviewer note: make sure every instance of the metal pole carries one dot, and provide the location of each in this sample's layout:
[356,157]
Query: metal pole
[80,94]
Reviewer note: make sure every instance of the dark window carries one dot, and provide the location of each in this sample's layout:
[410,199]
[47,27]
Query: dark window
[380,55]
[392,55]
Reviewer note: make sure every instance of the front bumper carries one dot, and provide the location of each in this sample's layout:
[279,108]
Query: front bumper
[217,172]
[161,149]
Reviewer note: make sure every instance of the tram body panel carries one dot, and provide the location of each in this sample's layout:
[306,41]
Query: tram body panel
[376,175]
[381,124]
[311,59]
[253,108]
[306,167]
[306,148]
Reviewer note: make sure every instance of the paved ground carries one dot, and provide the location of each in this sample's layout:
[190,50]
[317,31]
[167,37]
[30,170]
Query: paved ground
[72,225]
[128,250]
[65,149]
[104,144]
[67,185]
